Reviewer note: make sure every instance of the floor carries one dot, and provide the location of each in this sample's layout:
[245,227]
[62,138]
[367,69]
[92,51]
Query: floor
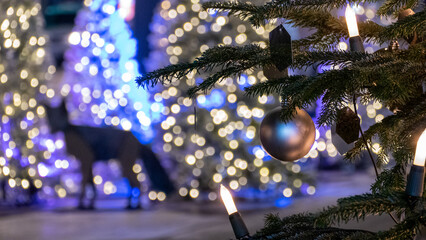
[172,220]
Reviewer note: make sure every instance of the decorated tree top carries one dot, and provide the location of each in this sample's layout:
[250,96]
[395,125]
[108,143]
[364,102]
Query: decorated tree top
[393,77]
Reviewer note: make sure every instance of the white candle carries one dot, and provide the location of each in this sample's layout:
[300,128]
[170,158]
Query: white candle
[351,22]
[420,156]
[227,200]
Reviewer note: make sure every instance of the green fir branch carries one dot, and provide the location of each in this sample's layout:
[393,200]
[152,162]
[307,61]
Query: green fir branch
[395,133]
[407,229]
[360,206]
[318,41]
[301,226]
[274,225]
[331,58]
[274,86]
[369,31]
[390,180]
[209,82]
[219,56]
[306,14]
[226,59]
[390,7]
[405,28]
[261,15]
[335,86]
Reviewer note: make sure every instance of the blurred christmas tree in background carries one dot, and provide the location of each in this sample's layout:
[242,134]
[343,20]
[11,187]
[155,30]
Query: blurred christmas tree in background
[98,83]
[214,139]
[99,69]
[28,152]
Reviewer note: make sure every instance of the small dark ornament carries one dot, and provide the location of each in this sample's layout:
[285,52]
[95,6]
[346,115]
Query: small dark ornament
[345,131]
[272,72]
[392,47]
[287,141]
[280,41]
[347,125]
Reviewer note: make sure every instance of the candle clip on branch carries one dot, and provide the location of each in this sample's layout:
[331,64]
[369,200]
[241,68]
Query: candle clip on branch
[392,78]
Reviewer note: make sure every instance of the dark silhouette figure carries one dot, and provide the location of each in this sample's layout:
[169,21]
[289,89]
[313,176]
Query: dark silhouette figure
[90,144]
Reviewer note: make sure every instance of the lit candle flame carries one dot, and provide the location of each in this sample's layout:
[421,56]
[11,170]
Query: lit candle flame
[351,22]
[227,200]
[420,157]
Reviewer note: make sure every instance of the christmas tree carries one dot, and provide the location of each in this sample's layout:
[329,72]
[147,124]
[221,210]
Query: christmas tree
[27,150]
[391,76]
[99,68]
[214,137]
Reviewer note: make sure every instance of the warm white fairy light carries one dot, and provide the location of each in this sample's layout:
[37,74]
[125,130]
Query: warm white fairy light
[420,155]
[351,21]
[227,200]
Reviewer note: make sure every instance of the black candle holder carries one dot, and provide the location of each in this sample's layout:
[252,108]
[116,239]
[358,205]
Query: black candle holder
[415,181]
[356,44]
[240,230]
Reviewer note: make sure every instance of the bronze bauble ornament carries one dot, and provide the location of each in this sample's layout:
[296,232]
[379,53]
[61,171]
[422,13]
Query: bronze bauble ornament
[287,141]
